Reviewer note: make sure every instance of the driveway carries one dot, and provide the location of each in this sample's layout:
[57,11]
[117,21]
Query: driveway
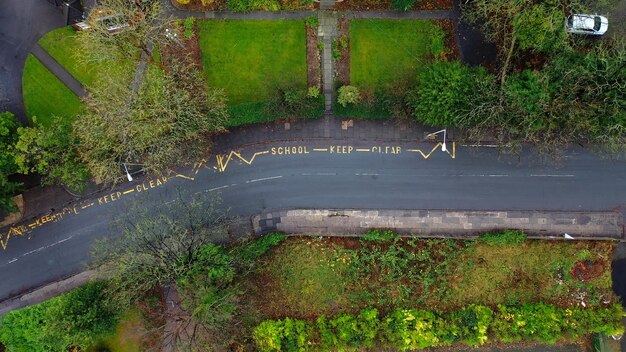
[22,23]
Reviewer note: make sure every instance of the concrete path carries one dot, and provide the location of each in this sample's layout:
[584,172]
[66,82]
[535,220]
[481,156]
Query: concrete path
[443,223]
[59,71]
[328,32]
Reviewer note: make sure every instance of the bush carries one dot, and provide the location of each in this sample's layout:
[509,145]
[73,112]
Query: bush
[348,95]
[506,238]
[250,5]
[410,329]
[183,2]
[77,318]
[189,27]
[251,251]
[282,335]
[443,91]
[338,46]
[403,5]
[540,27]
[313,92]
[312,22]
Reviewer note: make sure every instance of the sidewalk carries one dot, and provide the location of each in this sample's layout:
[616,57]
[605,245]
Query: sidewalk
[443,223]
[59,71]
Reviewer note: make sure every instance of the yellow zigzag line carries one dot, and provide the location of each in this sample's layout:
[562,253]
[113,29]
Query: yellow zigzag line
[222,165]
[13,231]
[438,145]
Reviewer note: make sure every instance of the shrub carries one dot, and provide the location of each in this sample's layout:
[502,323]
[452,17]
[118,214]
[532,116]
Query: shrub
[183,2]
[189,26]
[443,91]
[506,238]
[410,329]
[540,27]
[402,4]
[312,22]
[348,95]
[338,46]
[77,318]
[282,335]
[251,251]
[313,92]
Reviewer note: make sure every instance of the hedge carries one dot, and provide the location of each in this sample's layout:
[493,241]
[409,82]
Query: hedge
[411,329]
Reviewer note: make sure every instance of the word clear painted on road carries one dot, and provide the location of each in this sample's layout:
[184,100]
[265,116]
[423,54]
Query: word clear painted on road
[219,164]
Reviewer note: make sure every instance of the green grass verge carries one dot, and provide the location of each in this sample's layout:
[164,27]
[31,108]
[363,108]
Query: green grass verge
[385,51]
[45,95]
[250,60]
[62,44]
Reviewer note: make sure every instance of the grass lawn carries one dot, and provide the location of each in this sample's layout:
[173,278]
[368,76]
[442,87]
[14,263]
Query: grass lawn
[385,51]
[45,96]
[250,60]
[62,43]
[128,335]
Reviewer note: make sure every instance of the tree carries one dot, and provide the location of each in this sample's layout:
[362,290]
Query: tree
[146,30]
[167,122]
[8,128]
[540,27]
[80,317]
[75,319]
[51,152]
[158,245]
[444,90]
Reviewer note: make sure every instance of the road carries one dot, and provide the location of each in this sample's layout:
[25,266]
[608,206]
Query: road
[22,23]
[318,175]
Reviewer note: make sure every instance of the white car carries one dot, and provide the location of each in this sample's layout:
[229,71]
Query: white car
[586,24]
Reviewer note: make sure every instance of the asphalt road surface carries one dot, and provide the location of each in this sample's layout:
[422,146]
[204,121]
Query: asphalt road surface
[322,175]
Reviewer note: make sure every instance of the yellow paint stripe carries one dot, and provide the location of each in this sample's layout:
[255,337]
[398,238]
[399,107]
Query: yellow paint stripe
[129,191]
[185,177]
[320,149]
[87,205]
[224,164]
[362,149]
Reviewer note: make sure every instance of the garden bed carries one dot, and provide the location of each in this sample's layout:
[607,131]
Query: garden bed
[383,59]
[309,277]
[373,5]
[246,5]
[313,62]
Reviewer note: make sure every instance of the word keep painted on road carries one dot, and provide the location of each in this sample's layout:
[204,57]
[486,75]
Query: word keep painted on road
[222,161]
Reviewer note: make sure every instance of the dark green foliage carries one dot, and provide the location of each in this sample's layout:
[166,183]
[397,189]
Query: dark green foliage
[78,319]
[505,238]
[51,151]
[540,27]
[291,102]
[8,137]
[380,236]
[412,329]
[403,5]
[444,90]
[312,22]
[251,251]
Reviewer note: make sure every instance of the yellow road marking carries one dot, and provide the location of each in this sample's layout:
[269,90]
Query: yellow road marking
[185,177]
[438,145]
[222,165]
[87,205]
[320,149]
[129,191]
[363,149]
